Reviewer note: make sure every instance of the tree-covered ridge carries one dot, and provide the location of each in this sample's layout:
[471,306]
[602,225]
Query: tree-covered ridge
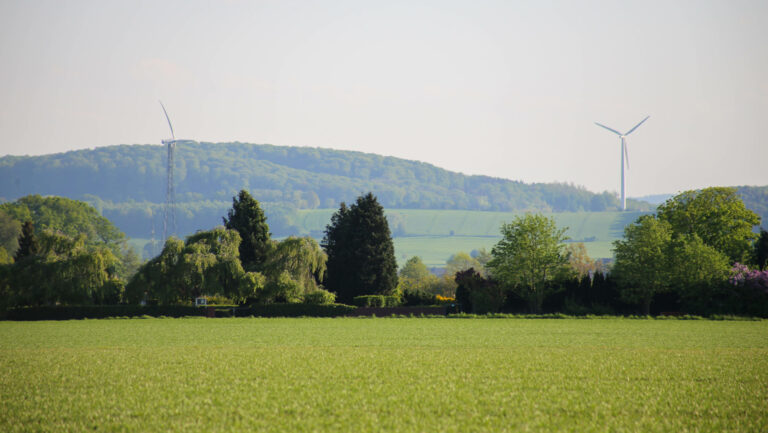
[301,177]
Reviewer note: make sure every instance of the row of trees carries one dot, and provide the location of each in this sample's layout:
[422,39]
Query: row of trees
[686,257]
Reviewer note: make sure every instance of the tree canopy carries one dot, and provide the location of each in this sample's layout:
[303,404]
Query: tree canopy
[529,256]
[247,218]
[717,216]
[361,256]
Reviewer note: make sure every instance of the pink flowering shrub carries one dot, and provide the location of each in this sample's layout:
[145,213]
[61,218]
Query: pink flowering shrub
[751,279]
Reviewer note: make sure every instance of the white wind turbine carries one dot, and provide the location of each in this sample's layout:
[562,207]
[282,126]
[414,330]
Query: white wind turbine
[624,157]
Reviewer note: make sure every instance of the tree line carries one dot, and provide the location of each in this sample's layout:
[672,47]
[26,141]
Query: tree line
[698,254]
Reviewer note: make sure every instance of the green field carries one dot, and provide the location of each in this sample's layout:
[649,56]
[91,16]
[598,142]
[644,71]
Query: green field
[359,375]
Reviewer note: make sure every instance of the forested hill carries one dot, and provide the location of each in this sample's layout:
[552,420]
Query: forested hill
[299,177]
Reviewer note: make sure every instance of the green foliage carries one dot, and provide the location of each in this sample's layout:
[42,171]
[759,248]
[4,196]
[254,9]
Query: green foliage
[352,375]
[10,229]
[74,218]
[529,256]
[475,294]
[301,177]
[416,283]
[247,218]
[416,297]
[717,216]
[361,256]
[761,250]
[319,297]
[641,261]
[376,301]
[27,242]
[61,269]
[207,263]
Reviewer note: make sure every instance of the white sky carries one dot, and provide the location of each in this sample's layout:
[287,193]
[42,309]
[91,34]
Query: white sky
[502,88]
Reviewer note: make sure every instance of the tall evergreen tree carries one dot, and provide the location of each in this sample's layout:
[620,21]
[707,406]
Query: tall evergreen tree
[361,256]
[27,242]
[249,220]
[761,250]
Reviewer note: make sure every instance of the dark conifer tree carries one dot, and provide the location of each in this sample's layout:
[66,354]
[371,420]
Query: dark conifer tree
[761,250]
[27,242]
[249,220]
[361,256]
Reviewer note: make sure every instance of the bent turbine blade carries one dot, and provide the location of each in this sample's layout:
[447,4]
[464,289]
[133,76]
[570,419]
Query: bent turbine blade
[610,129]
[636,126]
[168,119]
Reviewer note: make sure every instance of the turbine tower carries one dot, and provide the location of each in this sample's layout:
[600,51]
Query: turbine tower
[624,157]
[169,211]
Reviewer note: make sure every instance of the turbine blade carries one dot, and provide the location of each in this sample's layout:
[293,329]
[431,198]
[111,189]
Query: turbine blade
[168,119]
[636,126]
[626,152]
[610,129]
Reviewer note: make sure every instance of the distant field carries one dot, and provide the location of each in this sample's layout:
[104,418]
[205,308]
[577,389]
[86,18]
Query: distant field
[395,375]
[435,235]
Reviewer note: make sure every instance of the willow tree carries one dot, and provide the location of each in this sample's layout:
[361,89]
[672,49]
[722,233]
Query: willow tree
[206,264]
[294,269]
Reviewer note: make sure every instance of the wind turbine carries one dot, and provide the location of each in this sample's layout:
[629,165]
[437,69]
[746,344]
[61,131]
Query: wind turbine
[624,157]
[169,211]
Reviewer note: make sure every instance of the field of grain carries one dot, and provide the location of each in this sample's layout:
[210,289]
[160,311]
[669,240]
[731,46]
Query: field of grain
[395,375]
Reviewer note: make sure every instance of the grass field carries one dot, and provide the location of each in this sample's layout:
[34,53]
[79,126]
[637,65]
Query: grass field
[409,375]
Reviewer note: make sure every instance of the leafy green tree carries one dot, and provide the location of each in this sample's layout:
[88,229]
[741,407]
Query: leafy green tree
[361,256]
[641,262]
[207,263]
[64,270]
[697,272]
[529,257]
[10,229]
[717,216]
[579,260]
[74,218]
[294,269]
[249,220]
[416,279]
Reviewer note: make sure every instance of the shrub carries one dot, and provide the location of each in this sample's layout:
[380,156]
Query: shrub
[376,301]
[320,297]
[414,298]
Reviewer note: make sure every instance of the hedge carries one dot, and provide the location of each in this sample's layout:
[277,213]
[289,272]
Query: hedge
[100,311]
[376,301]
[295,310]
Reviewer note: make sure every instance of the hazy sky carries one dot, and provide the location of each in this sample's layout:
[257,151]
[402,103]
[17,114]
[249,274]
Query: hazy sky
[502,88]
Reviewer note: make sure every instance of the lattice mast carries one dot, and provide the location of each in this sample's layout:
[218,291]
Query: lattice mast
[169,211]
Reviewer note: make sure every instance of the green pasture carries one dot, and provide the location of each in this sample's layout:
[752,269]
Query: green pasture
[393,375]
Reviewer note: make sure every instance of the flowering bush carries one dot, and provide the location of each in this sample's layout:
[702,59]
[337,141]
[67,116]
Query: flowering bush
[743,277]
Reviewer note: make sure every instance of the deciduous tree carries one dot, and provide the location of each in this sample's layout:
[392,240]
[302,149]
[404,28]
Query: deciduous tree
[529,257]
[717,216]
